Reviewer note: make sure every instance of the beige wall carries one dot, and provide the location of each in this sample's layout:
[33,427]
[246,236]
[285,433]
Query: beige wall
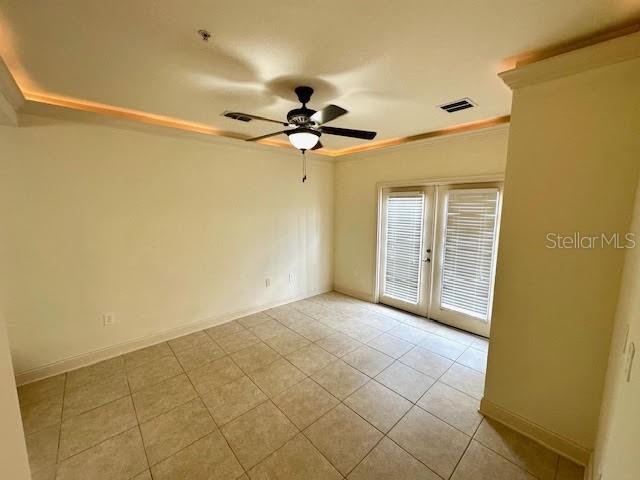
[13,453]
[478,153]
[572,167]
[616,456]
[158,230]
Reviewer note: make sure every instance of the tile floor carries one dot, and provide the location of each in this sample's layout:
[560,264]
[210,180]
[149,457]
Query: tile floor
[324,388]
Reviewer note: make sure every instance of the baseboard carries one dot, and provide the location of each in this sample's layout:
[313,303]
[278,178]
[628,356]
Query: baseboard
[89,358]
[367,297]
[551,440]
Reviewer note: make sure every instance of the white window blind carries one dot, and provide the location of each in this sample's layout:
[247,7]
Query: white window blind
[404,230]
[469,241]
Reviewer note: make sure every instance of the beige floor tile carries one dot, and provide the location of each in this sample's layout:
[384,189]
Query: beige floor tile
[42,448]
[567,470]
[334,319]
[465,379]
[233,399]
[340,379]
[481,344]
[296,460]
[207,459]
[368,360]
[480,463]
[42,389]
[360,331]
[42,414]
[97,371]
[220,331]
[170,432]
[456,408]
[88,429]
[162,397]
[238,341]
[343,437]
[269,329]
[146,355]
[311,329]
[304,403]
[199,355]
[388,344]
[255,357]
[253,319]
[338,344]
[378,405]
[287,316]
[153,372]
[287,342]
[120,457]
[258,433]
[522,451]
[426,362]
[453,334]
[214,374]
[476,359]
[442,346]
[277,377]
[406,381]
[408,333]
[91,395]
[436,444]
[389,462]
[189,341]
[375,319]
[311,358]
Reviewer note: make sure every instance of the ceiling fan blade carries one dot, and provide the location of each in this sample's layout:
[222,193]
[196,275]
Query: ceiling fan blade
[348,132]
[318,146]
[255,139]
[328,113]
[246,117]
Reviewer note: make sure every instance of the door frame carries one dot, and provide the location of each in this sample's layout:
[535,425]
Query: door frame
[422,182]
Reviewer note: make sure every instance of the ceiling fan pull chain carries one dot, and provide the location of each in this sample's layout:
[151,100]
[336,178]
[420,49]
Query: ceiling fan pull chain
[304,166]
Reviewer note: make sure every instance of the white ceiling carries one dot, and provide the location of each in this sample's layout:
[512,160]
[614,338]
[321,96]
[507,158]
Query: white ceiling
[388,62]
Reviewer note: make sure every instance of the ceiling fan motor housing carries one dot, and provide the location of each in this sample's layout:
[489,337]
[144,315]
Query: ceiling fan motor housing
[300,116]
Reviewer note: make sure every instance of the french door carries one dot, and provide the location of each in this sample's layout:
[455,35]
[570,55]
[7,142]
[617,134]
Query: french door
[438,250]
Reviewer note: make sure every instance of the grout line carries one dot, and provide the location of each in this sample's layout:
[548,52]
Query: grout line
[270,399]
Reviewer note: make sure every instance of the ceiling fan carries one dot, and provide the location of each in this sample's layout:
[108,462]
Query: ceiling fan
[306,125]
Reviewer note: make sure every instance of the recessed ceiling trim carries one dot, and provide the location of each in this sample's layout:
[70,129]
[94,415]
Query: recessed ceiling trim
[201,128]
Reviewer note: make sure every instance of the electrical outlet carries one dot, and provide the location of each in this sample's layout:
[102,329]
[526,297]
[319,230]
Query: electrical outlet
[267,282]
[108,319]
[292,278]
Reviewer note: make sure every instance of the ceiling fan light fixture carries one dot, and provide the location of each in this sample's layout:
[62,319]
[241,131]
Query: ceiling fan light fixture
[304,138]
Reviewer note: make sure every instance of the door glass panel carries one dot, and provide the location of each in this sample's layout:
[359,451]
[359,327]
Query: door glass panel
[468,251]
[404,238]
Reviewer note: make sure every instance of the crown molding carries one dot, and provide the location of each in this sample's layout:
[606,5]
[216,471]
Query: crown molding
[11,98]
[80,110]
[607,52]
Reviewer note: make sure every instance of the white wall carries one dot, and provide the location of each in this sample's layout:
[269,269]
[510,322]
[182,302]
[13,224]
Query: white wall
[13,452]
[161,231]
[477,153]
[572,167]
[616,456]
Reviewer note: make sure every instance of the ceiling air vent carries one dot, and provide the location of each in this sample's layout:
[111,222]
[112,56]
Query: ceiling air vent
[457,105]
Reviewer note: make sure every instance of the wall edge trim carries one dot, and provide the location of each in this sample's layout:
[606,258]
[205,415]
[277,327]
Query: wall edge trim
[89,358]
[608,52]
[549,439]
